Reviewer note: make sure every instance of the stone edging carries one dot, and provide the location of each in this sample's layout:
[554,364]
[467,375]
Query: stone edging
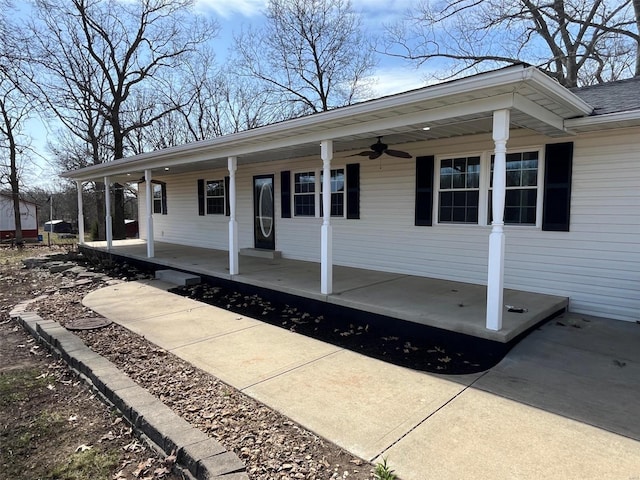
[204,457]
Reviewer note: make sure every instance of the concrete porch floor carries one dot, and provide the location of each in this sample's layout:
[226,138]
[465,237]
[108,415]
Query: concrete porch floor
[454,306]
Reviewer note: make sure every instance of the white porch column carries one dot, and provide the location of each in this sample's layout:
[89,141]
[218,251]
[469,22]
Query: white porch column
[148,194]
[326,252]
[233,224]
[80,214]
[495,280]
[107,204]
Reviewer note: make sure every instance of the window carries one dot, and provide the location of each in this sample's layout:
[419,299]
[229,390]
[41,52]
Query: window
[459,194]
[214,195]
[157,198]
[304,194]
[337,193]
[522,188]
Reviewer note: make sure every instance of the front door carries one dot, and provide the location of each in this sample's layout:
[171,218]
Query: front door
[263,223]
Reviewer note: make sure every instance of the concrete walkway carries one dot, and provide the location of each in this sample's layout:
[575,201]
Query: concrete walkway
[563,404]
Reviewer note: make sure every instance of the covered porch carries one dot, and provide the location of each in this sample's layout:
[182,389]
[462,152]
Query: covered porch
[444,304]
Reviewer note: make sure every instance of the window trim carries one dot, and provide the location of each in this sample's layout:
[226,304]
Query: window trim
[317,194]
[294,194]
[222,182]
[539,186]
[343,192]
[162,186]
[482,192]
[485,182]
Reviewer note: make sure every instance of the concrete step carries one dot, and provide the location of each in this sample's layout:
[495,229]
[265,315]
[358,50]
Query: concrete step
[261,253]
[177,278]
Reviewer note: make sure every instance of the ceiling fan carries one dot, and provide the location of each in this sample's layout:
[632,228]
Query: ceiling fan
[378,149]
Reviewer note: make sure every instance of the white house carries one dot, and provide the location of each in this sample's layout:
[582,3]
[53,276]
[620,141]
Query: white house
[28,218]
[561,167]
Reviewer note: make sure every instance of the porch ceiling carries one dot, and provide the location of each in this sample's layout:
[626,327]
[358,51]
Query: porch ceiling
[456,108]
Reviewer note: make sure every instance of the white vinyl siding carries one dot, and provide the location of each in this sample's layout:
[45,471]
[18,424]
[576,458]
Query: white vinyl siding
[596,263]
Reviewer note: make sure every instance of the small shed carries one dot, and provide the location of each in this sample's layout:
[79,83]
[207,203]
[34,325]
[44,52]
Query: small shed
[58,226]
[131,228]
[28,219]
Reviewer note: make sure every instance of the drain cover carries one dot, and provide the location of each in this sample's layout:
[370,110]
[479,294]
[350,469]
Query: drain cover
[87,323]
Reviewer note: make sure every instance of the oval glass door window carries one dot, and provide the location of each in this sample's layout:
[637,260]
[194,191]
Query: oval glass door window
[265,209]
[263,212]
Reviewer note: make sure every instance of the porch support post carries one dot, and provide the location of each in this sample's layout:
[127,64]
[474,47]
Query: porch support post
[495,280]
[107,205]
[148,197]
[233,223]
[80,214]
[326,253]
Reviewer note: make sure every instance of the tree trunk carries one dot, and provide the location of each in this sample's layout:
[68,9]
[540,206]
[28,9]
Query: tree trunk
[15,194]
[118,229]
[100,211]
[636,9]
[13,176]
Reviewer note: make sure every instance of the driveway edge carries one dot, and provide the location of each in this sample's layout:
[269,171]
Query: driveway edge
[202,456]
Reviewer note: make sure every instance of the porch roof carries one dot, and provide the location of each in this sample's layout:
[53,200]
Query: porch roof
[458,107]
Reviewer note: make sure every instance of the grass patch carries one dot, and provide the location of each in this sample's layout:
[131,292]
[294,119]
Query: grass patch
[90,463]
[16,385]
[25,437]
[44,425]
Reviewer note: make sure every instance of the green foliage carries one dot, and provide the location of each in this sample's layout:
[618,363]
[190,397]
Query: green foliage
[384,472]
[89,463]
[95,231]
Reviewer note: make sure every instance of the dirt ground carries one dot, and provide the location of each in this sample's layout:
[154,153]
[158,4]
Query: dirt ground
[52,426]
[82,432]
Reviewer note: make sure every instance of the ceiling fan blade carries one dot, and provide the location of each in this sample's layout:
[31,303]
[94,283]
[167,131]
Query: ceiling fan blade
[374,155]
[362,154]
[397,153]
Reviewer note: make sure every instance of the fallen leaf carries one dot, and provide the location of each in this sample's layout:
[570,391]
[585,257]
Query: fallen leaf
[83,448]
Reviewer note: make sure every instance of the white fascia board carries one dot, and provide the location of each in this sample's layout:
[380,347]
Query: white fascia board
[534,110]
[556,92]
[603,120]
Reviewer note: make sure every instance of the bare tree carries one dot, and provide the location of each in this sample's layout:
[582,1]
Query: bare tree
[15,108]
[210,102]
[574,41]
[124,47]
[311,55]
[14,111]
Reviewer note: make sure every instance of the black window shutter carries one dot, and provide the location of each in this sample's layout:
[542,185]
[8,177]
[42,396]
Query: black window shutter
[285,193]
[200,196]
[163,193]
[227,200]
[557,187]
[353,190]
[424,191]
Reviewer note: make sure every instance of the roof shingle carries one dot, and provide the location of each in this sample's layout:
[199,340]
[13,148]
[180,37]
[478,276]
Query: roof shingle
[619,96]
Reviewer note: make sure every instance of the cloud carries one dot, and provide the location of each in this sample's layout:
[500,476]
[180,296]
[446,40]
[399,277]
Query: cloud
[397,79]
[226,9]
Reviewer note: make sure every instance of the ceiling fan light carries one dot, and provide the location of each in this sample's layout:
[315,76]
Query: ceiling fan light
[426,129]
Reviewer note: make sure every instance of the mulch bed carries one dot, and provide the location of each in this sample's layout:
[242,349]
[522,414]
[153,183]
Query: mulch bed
[395,341]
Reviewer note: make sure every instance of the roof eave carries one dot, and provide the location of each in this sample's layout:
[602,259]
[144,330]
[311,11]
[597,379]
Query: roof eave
[515,75]
[609,119]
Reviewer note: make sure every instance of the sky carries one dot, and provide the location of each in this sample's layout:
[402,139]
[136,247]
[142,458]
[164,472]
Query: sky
[391,75]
